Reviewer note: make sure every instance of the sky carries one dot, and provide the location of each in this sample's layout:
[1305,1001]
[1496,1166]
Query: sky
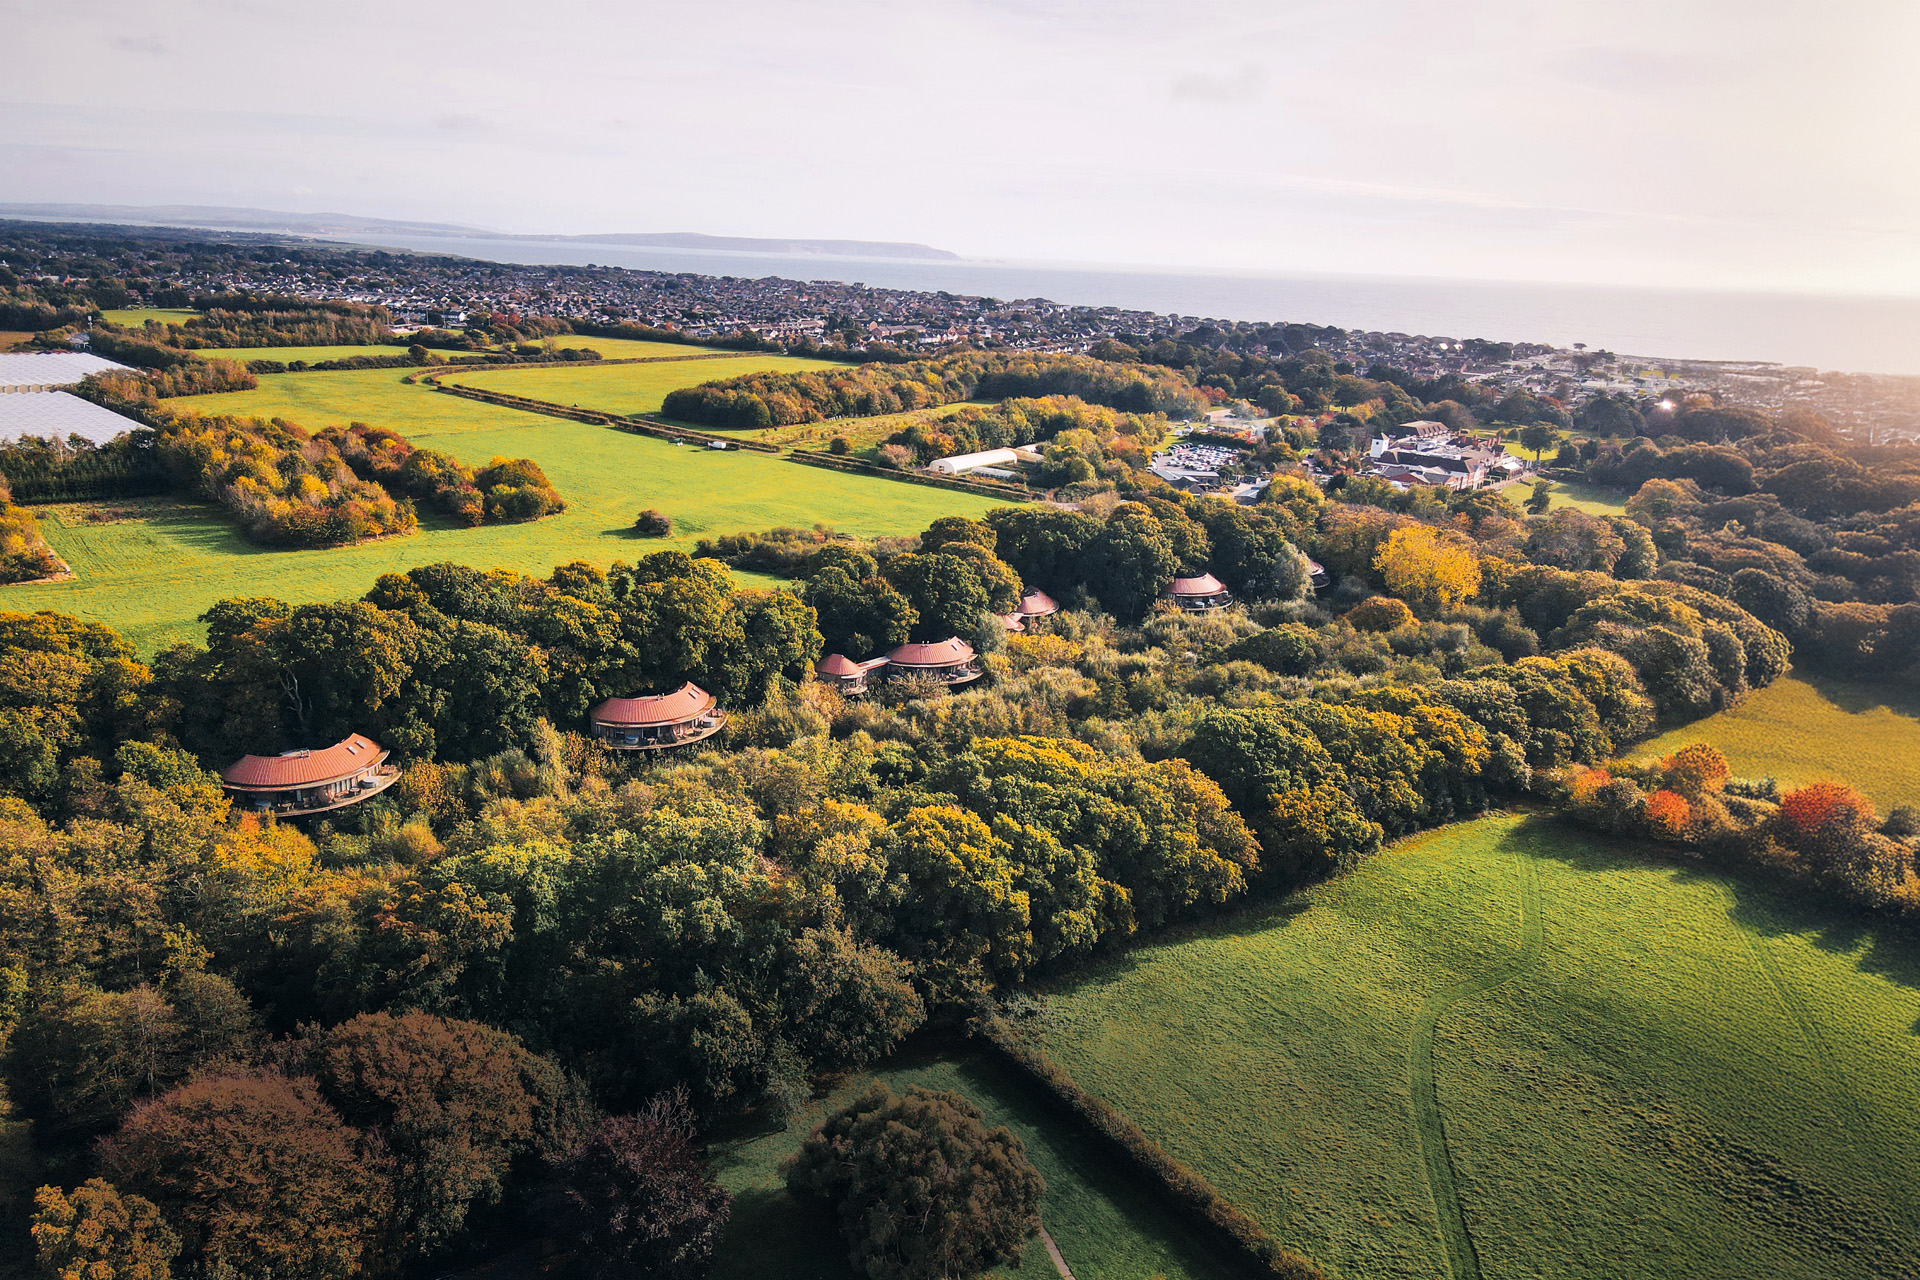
[1723,144]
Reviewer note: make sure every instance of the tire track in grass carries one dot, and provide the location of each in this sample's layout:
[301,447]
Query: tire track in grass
[1463,1263]
[1841,1099]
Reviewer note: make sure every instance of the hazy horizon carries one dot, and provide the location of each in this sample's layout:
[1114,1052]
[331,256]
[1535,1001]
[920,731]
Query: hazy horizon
[1712,146]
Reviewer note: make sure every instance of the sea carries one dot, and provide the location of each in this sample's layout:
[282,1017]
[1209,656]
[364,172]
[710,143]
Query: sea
[1842,333]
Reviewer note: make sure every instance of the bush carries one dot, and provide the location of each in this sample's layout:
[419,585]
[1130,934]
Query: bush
[923,1188]
[1380,613]
[652,523]
[840,447]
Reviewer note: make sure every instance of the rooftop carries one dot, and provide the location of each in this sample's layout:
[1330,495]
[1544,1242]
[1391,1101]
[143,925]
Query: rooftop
[49,368]
[352,754]
[684,703]
[941,653]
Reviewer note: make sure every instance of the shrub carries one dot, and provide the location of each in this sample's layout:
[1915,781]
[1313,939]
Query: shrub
[653,523]
[923,1188]
[840,446]
[1380,613]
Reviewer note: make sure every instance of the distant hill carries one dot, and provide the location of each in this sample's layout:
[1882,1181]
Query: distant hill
[346,224]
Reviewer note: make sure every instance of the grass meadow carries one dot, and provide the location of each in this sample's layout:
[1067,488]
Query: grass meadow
[1585,497]
[134,317]
[150,576]
[1106,1226]
[625,388]
[1803,729]
[287,355]
[1509,1049]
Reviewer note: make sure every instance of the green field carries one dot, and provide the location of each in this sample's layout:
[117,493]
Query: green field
[134,317]
[287,355]
[633,348]
[1507,1049]
[1106,1226]
[1802,729]
[1588,498]
[151,577]
[626,388]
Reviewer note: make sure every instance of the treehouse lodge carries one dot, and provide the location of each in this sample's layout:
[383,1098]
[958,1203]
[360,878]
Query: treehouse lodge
[299,783]
[949,661]
[688,714]
[844,674]
[1317,576]
[1204,594]
[1036,604]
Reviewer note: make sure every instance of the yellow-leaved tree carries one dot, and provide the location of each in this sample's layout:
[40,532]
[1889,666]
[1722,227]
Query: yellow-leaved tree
[1430,573]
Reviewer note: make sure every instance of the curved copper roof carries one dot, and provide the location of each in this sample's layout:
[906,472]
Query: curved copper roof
[943,653]
[352,754]
[1012,622]
[837,664]
[1204,585]
[1037,604]
[683,704]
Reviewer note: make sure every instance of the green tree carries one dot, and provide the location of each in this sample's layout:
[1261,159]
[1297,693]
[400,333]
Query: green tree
[923,1189]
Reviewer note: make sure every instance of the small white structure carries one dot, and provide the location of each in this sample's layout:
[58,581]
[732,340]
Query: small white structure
[993,461]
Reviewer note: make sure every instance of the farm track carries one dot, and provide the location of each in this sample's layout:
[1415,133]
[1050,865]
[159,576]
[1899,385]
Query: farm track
[1463,1262]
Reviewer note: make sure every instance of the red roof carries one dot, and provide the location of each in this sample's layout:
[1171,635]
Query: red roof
[944,653]
[353,754]
[687,702]
[1037,604]
[837,664]
[1012,622]
[1204,585]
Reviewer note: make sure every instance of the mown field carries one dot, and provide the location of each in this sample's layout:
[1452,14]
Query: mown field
[151,576]
[626,388]
[1802,729]
[1105,1225]
[137,316]
[1585,497]
[287,355]
[1507,1049]
[634,348]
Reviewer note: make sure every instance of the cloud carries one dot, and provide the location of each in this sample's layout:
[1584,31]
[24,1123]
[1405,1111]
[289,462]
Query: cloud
[1632,71]
[471,125]
[1231,89]
[150,45]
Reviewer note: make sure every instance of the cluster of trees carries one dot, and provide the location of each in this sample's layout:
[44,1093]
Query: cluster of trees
[781,399]
[283,486]
[259,320]
[506,490]
[1824,837]
[75,469]
[190,377]
[1083,441]
[24,553]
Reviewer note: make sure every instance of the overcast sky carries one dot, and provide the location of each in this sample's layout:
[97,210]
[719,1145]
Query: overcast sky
[1718,143]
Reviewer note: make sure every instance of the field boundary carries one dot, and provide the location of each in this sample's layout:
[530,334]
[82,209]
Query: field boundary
[859,467]
[594,417]
[1429,1122]
[1190,1193]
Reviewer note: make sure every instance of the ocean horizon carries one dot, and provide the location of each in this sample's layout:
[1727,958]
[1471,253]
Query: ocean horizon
[1827,332]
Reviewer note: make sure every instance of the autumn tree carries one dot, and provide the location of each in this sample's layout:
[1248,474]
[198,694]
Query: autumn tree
[1430,573]
[923,1188]
[258,1174]
[96,1233]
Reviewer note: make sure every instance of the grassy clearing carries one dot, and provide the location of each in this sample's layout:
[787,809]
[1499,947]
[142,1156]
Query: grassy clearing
[287,355]
[626,388]
[1805,728]
[1588,498]
[633,348]
[864,434]
[134,317]
[10,338]
[1106,1226]
[1634,1070]
[152,576]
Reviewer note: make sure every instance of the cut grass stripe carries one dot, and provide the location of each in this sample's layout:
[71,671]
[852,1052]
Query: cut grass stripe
[1463,1263]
